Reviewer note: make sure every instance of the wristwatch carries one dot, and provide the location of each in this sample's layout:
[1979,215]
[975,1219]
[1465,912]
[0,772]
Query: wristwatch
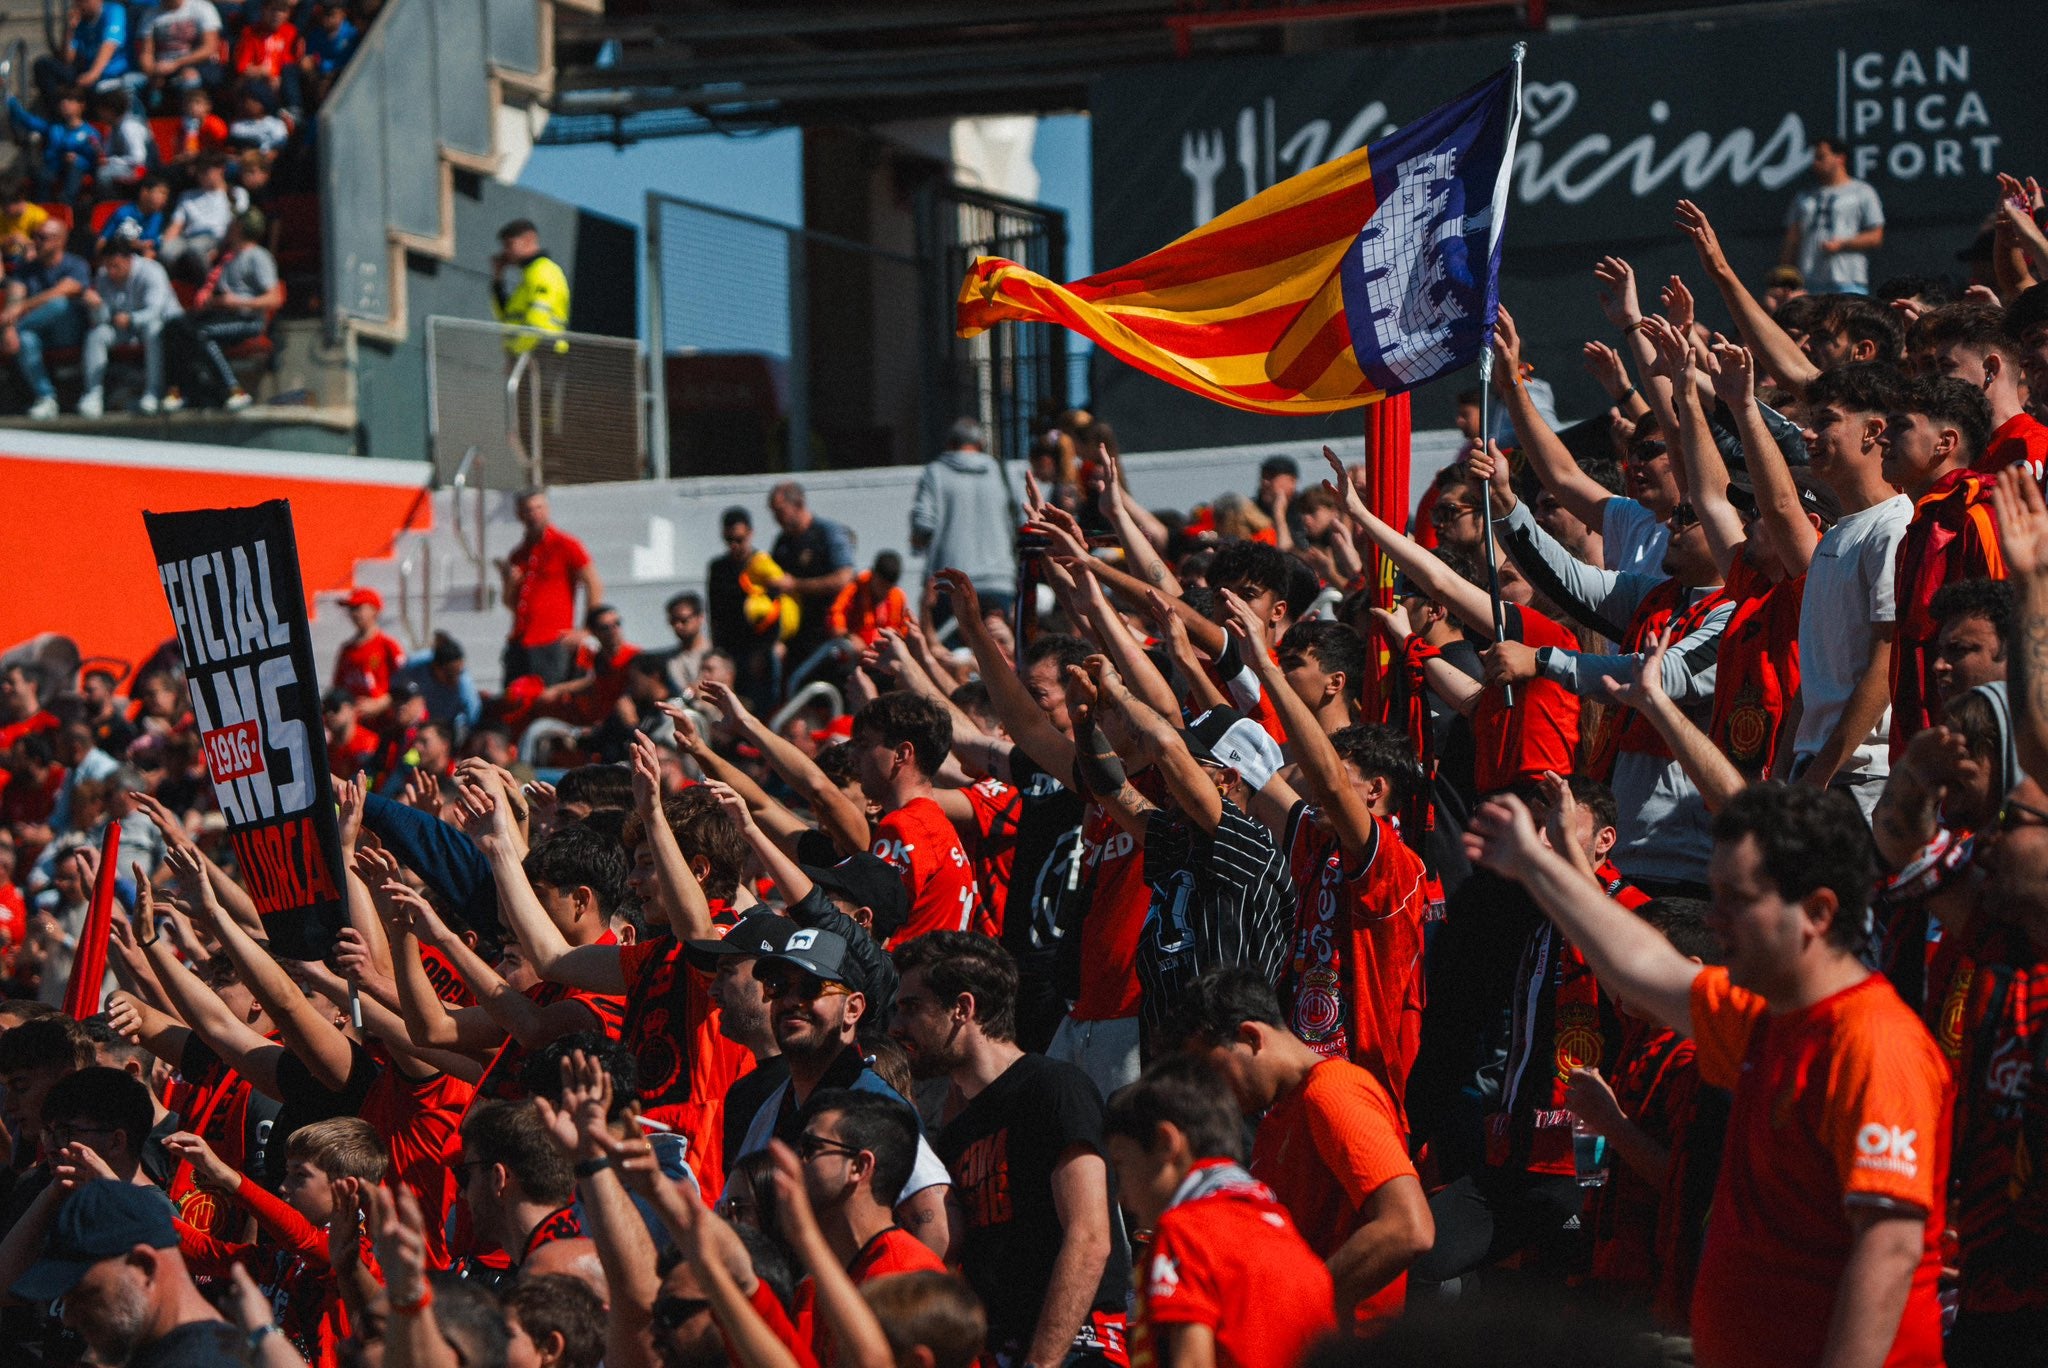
[260,1334]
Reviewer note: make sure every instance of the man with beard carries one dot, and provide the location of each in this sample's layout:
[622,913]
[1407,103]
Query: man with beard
[815,1012]
[743,1012]
[112,1256]
[1023,1142]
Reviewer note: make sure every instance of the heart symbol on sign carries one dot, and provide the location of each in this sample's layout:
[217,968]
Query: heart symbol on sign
[1546,103]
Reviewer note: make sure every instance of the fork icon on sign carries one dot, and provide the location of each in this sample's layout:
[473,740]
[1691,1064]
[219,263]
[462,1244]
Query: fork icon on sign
[1202,157]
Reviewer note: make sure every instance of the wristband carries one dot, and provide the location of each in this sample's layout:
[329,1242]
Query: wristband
[1625,395]
[590,1168]
[413,1308]
[260,1334]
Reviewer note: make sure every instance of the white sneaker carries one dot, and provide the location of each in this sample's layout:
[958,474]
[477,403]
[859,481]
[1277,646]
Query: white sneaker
[91,404]
[173,402]
[148,405]
[44,409]
[238,401]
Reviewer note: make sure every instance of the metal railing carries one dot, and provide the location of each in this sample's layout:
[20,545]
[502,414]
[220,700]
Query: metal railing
[478,557]
[533,407]
[416,575]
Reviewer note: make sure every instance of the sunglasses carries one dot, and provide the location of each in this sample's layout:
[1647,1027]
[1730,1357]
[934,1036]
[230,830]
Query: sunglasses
[1451,512]
[1682,517]
[809,1147]
[1646,453]
[672,1313]
[804,987]
[2016,814]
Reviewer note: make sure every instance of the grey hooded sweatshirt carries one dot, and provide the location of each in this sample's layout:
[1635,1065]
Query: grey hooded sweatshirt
[963,510]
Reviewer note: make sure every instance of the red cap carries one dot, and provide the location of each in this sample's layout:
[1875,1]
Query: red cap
[839,728]
[358,598]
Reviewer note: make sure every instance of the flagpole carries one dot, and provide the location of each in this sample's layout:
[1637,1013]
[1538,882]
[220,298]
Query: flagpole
[1499,224]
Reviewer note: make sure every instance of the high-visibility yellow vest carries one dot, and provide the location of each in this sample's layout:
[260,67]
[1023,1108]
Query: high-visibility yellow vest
[541,301]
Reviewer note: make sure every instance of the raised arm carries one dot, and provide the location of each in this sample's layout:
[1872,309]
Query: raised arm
[1782,519]
[1099,765]
[1701,470]
[1189,788]
[1467,601]
[1773,346]
[681,897]
[303,1027]
[1579,492]
[2023,533]
[838,815]
[232,895]
[1026,722]
[1141,534]
[1322,773]
[1141,676]
[1710,770]
[1628,954]
[1621,303]
[239,1044]
[595,967]
[856,1333]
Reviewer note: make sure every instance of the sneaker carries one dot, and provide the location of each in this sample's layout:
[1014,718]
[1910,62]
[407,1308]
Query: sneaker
[43,409]
[238,401]
[173,402]
[148,405]
[91,404]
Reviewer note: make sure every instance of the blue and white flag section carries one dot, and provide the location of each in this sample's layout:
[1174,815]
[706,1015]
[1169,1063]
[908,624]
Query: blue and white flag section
[1421,279]
[231,577]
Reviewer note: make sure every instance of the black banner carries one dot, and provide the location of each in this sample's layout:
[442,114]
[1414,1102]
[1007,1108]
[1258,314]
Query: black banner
[1621,119]
[231,577]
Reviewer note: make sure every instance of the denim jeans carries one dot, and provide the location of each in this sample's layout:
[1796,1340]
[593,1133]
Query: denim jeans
[59,323]
[105,337]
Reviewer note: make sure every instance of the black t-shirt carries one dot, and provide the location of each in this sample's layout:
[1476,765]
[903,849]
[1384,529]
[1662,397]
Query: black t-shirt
[200,1066]
[196,1344]
[744,1098]
[815,552]
[307,1101]
[1048,835]
[1001,1151]
[725,606]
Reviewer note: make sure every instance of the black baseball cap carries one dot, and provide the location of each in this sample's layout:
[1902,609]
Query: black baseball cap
[821,953]
[754,935]
[1815,495]
[867,881]
[103,1219]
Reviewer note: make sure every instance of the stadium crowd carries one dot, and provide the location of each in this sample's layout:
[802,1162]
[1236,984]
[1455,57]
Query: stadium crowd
[165,162]
[1178,954]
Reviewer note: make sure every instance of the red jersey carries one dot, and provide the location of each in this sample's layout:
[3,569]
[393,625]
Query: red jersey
[13,732]
[893,1251]
[1541,732]
[1324,1149]
[354,753]
[1846,1099]
[501,1078]
[608,675]
[365,667]
[2021,437]
[1756,667]
[268,51]
[419,1121]
[448,985]
[997,810]
[685,1065]
[1225,1255]
[1953,536]
[544,604]
[1354,988]
[14,919]
[291,1262]
[1653,1080]
[1118,900]
[918,840]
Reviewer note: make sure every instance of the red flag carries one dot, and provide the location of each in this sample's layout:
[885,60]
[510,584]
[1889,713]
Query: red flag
[1387,434]
[89,969]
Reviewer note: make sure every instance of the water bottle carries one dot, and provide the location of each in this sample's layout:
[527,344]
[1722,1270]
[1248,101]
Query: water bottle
[1589,1155]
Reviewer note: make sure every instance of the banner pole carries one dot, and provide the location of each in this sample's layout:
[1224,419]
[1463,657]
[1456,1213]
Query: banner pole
[1499,226]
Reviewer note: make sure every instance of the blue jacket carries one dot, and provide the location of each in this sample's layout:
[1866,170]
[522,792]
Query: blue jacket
[447,859]
[58,139]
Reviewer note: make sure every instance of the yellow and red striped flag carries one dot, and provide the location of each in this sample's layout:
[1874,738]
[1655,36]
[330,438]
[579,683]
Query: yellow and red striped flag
[1360,278]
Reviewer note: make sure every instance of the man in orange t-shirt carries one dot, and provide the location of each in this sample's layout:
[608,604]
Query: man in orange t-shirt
[1331,1146]
[1824,1243]
[1227,1280]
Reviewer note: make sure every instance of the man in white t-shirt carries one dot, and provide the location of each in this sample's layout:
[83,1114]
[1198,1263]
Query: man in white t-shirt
[1848,618]
[1831,226]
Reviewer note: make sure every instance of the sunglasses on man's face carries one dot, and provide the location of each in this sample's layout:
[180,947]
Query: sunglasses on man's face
[809,1147]
[2016,814]
[803,987]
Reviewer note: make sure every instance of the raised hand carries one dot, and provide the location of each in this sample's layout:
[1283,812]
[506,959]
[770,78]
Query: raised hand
[1678,305]
[1344,487]
[344,1230]
[1936,757]
[729,798]
[124,1016]
[1617,291]
[209,1168]
[1733,369]
[688,738]
[1110,500]
[162,818]
[409,906]
[1588,1097]
[246,1304]
[422,791]
[348,802]
[1605,365]
[1502,836]
[646,762]
[720,696]
[1488,464]
[353,956]
[793,1210]
[1394,622]
[1561,825]
[1507,352]
[399,1232]
[1648,685]
[1671,350]
[2022,521]
[959,588]
[1694,223]
[78,1164]
[1244,624]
